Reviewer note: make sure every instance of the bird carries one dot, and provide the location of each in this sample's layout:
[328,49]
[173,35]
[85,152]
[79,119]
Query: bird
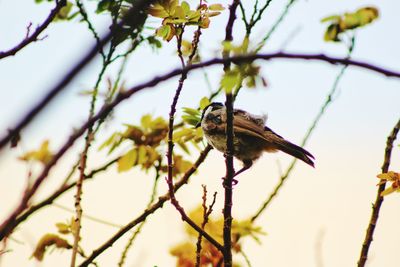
[251,136]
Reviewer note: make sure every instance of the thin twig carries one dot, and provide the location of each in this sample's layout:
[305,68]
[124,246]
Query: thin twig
[8,225]
[206,214]
[148,211]
[236,59]
[134,15]
[63,189]
[254,19]
[89,217]
[85,17]
[329,100]
[275,26]
[376,207]
[35,35]
[136,233]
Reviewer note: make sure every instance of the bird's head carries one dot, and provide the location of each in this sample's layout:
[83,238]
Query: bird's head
[211,107]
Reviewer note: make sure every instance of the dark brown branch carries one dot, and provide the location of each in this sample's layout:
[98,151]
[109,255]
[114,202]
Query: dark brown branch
[148,211]
[30,38]
[7,226]
[230,171]
[134,15]
[379,198]
[158,79]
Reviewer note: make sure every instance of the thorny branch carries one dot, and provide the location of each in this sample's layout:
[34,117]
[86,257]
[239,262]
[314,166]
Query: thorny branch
[149,211]
[206,214]
[169,178]
[8,224]
[376,207]
[30,38]
[83,160]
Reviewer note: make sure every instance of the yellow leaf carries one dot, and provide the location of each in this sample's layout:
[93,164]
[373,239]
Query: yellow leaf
[388,191]
[390,176]
[142,155]
[332,32]
[204,23]
[42,155]
[63,228]
[127,161]
[49,240]
[204,102]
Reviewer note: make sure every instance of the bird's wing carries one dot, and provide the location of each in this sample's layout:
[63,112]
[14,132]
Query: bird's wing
[244,126]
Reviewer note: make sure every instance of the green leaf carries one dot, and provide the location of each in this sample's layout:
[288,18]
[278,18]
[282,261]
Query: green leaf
[64,12]
[186,7]
[216,7]
[127,161]
[230,80]
[204,102]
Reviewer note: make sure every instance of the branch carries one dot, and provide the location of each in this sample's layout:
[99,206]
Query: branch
[206,214]
[230,171]
[137,231]
[148,211]
[311,128]
[275,26]
[85,17]
[63,189]
[7,226]
[379,198]
[134,15]
[158,79]
[34,36]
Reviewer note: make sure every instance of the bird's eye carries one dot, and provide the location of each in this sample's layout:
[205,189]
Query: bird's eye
[214,118]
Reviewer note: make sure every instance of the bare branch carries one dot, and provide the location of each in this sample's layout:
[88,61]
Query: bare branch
[30,38]
[206,214]
[134,15]
[230,171]
[148,211]
[329,100]
[7,226]
[376,207]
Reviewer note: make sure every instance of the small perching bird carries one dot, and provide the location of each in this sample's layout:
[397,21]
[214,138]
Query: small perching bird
[251,136]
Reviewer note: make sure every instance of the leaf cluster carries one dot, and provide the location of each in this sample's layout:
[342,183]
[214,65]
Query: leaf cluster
[50,240]
[147,142]
[348,21]
[186,251]
[177,15]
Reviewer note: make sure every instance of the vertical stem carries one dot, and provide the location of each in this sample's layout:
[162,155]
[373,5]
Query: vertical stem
[379,199]
[227,211]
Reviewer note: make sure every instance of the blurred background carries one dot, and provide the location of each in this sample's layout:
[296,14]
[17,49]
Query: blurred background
[319,217]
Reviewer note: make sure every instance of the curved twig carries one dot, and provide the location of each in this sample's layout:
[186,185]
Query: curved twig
[379,198]
[35,35]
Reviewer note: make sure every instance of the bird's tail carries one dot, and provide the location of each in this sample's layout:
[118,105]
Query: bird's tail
[296,151]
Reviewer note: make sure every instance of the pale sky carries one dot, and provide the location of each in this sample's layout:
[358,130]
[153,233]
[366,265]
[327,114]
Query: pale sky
[329,205]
